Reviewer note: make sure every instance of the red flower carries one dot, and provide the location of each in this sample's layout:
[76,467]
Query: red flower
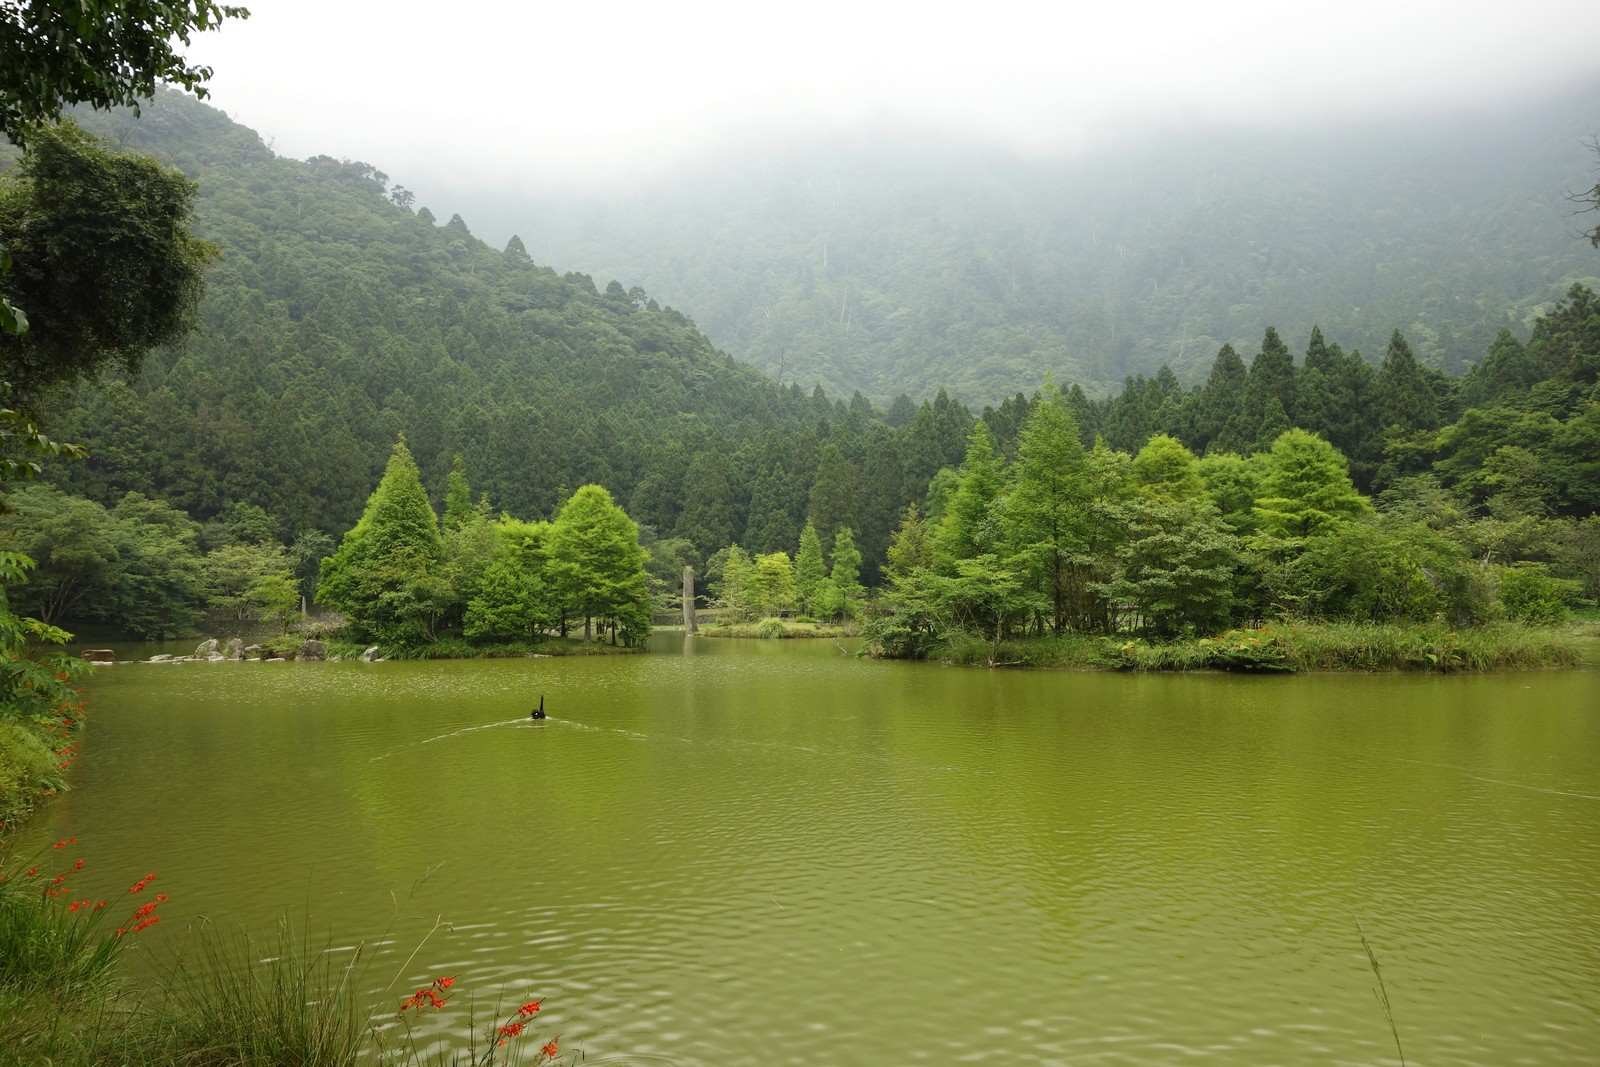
[64,844]
[446,982]
[511,1030]
[527,1010]
[161,898]
[148,922]
[549,1047]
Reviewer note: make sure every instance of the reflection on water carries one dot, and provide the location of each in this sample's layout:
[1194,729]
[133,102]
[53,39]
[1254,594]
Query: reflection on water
[769,852]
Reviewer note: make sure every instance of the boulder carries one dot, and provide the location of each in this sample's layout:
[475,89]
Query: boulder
[215,657]
[253,651]
[206,647]
[99,655]
[314,650]
[163,658]
[235,648]
[371,655]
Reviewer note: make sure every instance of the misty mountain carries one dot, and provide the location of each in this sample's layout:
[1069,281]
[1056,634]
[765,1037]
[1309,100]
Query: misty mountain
[337,318]
[895,261]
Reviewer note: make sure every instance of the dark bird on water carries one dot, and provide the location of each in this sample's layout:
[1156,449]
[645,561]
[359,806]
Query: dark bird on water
[538,712]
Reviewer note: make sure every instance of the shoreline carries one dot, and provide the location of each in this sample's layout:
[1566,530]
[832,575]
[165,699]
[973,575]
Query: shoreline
[1278,648]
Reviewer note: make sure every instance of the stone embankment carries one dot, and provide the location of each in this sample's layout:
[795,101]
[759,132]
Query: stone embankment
[235,651]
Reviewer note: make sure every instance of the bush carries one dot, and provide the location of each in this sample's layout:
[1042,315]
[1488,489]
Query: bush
[1528,593]
[27,767]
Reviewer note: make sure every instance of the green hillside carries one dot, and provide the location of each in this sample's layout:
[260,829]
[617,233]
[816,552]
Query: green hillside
[895,262]
[337,319]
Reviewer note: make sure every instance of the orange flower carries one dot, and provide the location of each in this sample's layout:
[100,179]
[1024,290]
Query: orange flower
[528,1009]
[549,1047]
[511,1030]
[64,844]
[446,982]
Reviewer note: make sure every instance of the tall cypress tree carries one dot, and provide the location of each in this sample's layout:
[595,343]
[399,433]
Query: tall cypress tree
[967,528]
[384,575]
[1047,505]
[1271,378]
[1406,398]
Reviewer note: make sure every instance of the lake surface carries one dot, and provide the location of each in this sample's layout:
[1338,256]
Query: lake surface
[741,852]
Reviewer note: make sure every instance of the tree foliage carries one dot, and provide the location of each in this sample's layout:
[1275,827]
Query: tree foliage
[384,576]
[104,263]
[96,52]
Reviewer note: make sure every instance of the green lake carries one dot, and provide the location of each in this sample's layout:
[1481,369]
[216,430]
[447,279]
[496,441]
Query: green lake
[743,852]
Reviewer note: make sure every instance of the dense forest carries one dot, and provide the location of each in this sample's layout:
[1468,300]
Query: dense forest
[340,317]
[894,261]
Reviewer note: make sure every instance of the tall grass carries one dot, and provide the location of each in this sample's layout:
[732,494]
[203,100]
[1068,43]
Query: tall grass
[1286,647]
[235,1000]
[224,1000]
[1369,647]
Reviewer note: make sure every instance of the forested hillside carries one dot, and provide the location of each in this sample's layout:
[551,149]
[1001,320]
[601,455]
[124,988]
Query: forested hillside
[893,262]
[339,319]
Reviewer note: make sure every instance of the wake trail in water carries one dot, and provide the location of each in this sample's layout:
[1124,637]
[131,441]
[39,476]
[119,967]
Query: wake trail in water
[522,720]
[1467,772]
[745,744]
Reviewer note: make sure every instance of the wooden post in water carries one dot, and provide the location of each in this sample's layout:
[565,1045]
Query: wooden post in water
[688,600]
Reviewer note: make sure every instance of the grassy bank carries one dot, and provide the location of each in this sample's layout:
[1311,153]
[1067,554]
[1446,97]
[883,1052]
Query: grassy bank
[220,999]
[776,628]
[1290,647]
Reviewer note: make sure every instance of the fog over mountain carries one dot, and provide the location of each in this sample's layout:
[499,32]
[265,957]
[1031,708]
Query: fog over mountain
[884,199]
[502,92]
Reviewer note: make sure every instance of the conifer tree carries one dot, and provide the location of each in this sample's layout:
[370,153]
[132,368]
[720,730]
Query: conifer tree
[967,528]
[1271,378]
[809,569]
[835,493]
[1407,400]
[840,595]
[1165,469]
[1047,507]
[1306,488]
[910,549]
[598,565]
[383,576]
[457,497]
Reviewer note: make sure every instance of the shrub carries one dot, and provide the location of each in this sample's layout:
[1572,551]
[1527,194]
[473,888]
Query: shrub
[1528,593]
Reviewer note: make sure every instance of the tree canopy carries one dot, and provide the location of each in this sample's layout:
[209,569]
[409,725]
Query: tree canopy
[97,52]
[103,262]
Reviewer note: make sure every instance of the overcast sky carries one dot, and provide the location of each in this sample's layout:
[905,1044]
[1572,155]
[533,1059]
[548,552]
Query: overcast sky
[519,92]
